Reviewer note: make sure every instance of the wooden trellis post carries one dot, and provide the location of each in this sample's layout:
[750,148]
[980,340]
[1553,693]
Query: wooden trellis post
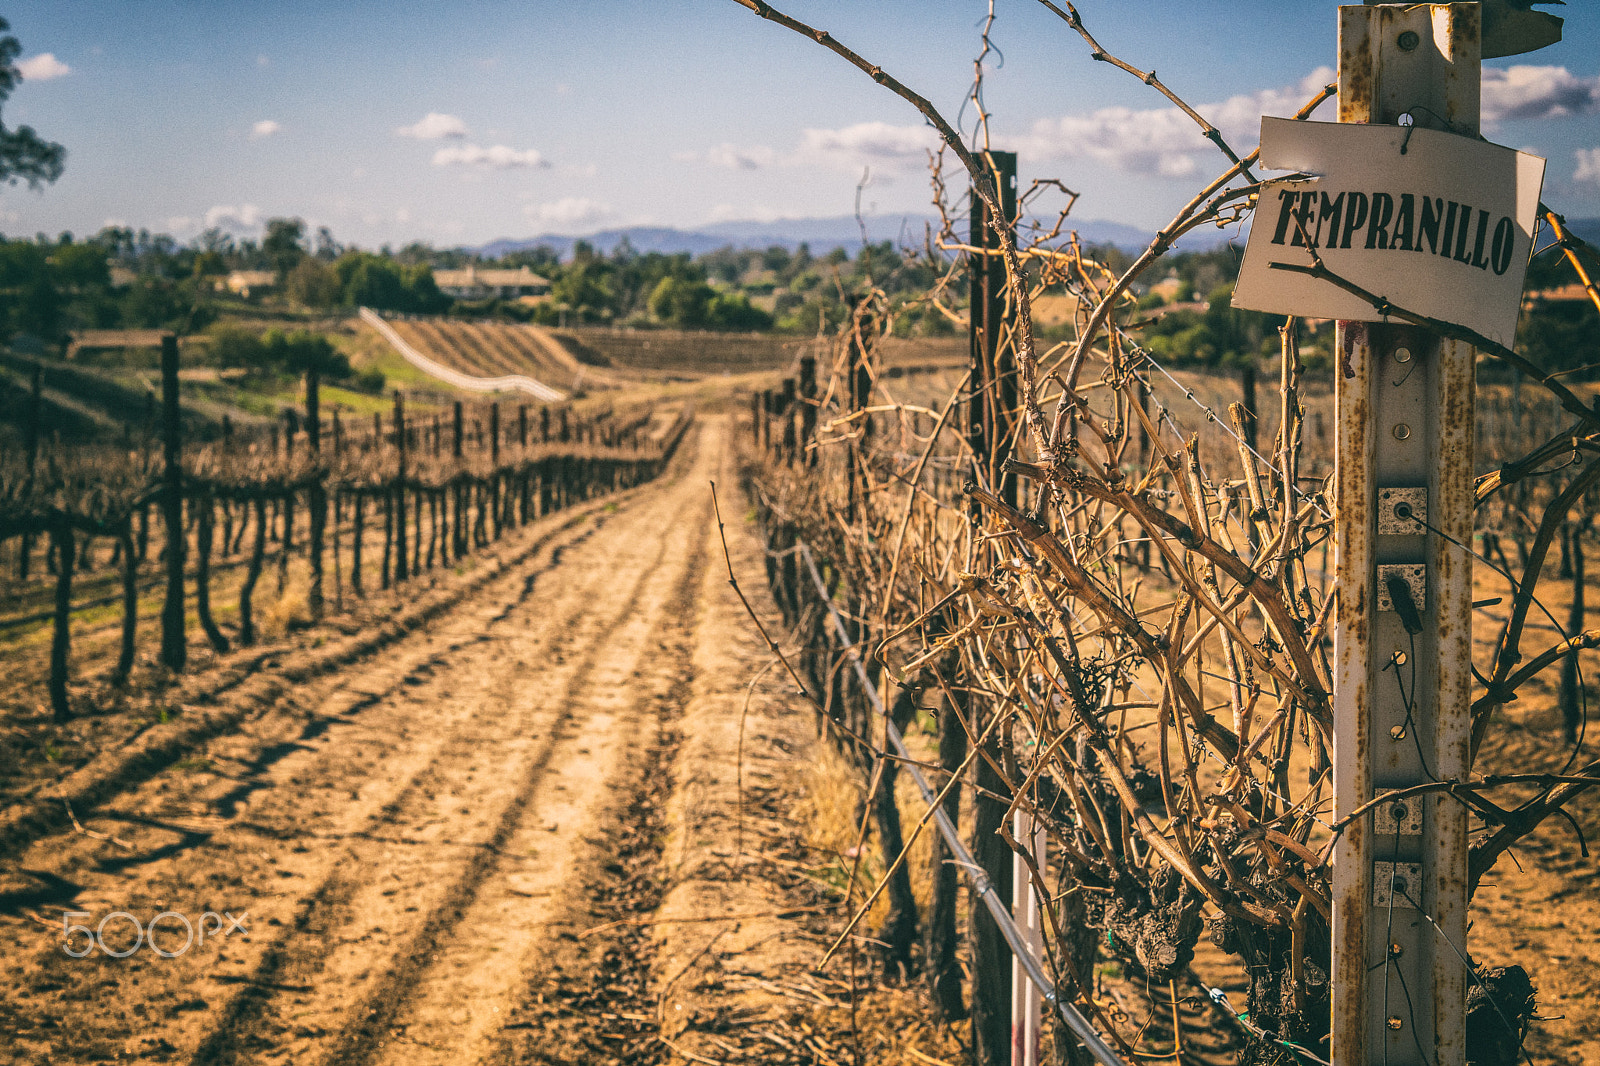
[174,649]
[991,415]
[400,570]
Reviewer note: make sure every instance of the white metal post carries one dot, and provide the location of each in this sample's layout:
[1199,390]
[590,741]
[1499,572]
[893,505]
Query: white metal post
[1025,998]
[1404,402]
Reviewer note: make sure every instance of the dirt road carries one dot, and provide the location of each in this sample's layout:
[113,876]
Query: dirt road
[415,844]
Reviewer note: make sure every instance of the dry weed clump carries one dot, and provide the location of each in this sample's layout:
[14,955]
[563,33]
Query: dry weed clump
[831,811]
[288,612]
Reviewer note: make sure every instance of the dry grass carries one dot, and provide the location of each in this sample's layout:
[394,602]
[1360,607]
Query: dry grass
[290,611]
[834,800]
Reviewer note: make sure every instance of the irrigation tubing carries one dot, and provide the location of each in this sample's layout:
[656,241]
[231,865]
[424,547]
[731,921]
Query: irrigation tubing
[1092,1040]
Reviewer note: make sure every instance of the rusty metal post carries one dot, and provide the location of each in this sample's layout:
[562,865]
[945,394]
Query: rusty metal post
[1402,638]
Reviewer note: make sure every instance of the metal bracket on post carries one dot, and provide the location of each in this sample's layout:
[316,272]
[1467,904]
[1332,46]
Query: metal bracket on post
[1403,511]
[1402,673]
[1415,578]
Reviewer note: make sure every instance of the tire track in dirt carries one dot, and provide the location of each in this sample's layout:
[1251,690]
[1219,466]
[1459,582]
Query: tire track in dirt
[413,652]
[432,1016]
[418,678]
[306,949]
[362,1040]
[591,1001]
[254,690]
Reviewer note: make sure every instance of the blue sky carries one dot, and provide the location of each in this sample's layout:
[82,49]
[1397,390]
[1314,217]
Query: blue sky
[460,121]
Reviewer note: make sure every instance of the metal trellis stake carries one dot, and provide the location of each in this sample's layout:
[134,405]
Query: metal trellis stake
[1402,639]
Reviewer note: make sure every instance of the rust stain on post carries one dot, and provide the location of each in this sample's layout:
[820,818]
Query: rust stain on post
[1421,60]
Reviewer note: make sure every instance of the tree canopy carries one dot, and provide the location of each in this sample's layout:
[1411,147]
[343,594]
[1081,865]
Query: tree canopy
[24,155]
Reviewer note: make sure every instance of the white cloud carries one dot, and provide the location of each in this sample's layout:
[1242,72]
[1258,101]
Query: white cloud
[433,126]
[265,128]
[42,67]
[1164,140]
[1524,92]
[735,158]
[569,211]
[1167,142]
[177,225]
[1588,165]
[1239,117]
[244,218]
[499,157]
[871,142]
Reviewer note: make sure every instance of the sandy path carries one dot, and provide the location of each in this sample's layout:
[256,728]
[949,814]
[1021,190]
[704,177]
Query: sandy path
[413,838]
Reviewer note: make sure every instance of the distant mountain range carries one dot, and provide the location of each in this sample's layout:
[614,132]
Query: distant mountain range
[822,235]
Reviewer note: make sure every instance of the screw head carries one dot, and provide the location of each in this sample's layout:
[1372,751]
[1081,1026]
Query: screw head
[1396,1023]
[1408,41]
[1397,732]
[1402,355]
[1402,431]
[1395,951]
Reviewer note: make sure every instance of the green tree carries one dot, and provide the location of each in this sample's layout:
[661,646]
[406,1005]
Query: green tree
[314,283]
[232,345]
[24,155]
[209,265]
[29,299]
[584,286]
[371,281]
[377,281]
[79,267]
[328,249]
[155,303]
[283,244]
[1222,335]
[735,311]
[303,350]
[682,302]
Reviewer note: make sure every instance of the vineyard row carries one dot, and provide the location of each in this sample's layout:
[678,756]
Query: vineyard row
[395,476]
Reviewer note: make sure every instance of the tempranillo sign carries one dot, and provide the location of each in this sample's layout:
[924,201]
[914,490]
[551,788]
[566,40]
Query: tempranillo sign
[1438,224]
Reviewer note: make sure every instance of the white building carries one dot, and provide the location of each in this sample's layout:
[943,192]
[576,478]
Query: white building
[475,284]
